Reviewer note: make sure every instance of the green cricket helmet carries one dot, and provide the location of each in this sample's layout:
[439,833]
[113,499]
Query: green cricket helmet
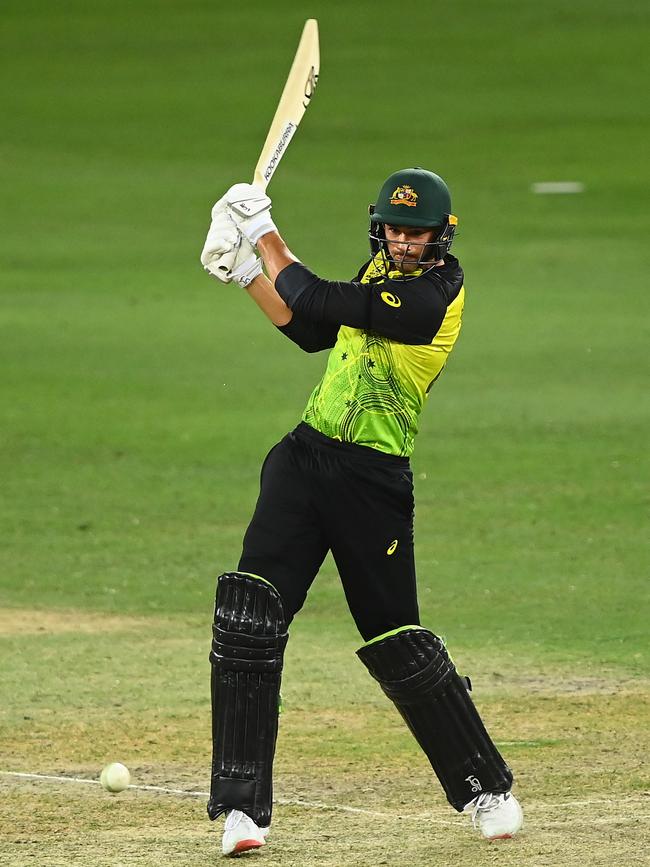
[414,197]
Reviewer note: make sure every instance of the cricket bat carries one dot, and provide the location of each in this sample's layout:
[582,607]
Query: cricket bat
[296,96]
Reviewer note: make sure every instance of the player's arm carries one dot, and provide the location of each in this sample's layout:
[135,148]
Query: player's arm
[263,293]
[275,253]
[231,257]
[410,312]
[248,208]
[406,311]
[310,336]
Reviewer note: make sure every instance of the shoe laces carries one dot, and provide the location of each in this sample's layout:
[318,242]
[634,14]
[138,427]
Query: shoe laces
[233,819]
[484,803]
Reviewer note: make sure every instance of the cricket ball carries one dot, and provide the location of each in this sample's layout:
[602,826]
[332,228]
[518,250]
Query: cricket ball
[115,777]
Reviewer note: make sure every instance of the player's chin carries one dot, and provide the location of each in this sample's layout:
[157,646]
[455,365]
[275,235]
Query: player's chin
[408,267]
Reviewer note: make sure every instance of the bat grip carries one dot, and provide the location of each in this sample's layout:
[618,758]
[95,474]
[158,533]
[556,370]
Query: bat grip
[259,182]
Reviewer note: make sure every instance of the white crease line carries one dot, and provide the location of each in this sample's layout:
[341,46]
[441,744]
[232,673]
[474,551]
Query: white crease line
[47,777]
[97,783]
[165,791]
[344,808]
[282,802]
[316,805]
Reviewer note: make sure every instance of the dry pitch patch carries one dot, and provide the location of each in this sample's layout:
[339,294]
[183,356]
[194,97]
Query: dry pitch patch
[21,621]
[351,785]
[89,829]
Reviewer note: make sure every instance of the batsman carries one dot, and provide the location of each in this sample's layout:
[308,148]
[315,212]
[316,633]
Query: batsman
[341,482]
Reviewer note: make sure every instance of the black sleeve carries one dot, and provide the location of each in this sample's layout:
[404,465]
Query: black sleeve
[310,336]
[408,311]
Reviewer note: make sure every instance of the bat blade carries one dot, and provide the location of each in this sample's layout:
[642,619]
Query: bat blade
[295,98]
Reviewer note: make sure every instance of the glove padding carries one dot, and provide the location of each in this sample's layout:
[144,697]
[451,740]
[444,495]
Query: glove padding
[245,270]
[226,254]
[250,209]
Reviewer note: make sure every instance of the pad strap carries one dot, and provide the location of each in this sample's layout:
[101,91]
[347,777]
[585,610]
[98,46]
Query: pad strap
[413,668]
[249,637]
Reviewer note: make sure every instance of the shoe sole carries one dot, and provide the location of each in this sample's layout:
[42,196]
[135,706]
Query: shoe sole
[244,846]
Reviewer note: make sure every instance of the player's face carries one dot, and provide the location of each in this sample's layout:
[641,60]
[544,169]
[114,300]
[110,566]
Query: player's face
[406,245]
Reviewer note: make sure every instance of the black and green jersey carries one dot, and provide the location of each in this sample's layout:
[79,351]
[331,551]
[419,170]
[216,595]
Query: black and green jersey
[391,339]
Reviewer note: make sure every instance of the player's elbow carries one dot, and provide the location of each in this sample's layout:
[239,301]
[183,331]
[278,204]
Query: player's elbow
[314,347]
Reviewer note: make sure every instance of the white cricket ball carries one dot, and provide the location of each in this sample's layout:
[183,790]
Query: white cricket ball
[115,777]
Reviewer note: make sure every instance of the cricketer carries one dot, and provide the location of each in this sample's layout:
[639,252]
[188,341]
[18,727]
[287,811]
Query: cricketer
[341,482]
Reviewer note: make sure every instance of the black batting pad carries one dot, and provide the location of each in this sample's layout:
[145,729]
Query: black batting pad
[413,668]
[249,637]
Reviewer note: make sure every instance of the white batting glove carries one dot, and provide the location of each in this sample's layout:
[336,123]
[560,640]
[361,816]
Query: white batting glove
[250,208]
[226,254]
[221,245]
[246,268]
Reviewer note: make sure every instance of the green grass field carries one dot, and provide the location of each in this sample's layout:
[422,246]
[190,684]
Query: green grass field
[139,398]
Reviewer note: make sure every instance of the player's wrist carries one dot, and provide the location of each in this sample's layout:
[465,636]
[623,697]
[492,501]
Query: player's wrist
[255,228]
[268,241]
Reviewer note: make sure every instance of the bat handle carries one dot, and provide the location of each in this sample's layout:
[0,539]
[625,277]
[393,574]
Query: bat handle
[259,181]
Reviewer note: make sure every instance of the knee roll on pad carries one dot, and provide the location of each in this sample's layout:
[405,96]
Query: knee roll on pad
[413,668]
[249,637]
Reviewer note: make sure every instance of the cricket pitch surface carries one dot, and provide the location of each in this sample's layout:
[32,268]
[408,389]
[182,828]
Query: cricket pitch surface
[351,787]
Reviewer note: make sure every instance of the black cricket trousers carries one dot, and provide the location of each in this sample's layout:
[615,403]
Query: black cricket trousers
[318,494]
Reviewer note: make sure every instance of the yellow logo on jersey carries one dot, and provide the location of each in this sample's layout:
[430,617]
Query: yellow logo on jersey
[390,299]
[392,547]
[405,195]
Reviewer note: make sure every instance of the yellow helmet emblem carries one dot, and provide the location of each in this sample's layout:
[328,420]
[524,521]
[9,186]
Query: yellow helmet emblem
[404,195]
[392,547]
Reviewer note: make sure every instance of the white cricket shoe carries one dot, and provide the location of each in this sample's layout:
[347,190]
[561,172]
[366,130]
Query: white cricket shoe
[497,817]
[240,834]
